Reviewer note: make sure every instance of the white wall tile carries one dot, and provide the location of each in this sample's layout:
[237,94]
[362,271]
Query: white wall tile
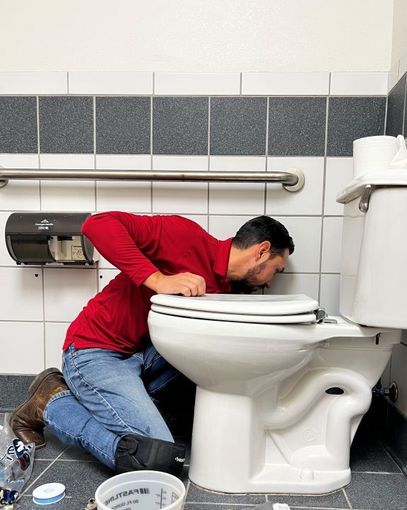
[285,84]
[196,83]
[24,342]
[201,219]
[238,163]
[54,339]
[332,245]
[180,198]
[19,160]
[67,196]
[223,227]
[68,161]
[33,82]
[399,374]
[233,198]
[180,163]
[105,276]
[353,83]
[403,65]
[339,173]
[5,259]
[124,196]
[21,195]
[21,298]
[393,76]
[306,201]
[123,161]
[306,234]
[66,292]
[329,299]
[110,82]
[295,284]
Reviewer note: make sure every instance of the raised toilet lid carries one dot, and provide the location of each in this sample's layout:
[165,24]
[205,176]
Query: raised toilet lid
[267,309]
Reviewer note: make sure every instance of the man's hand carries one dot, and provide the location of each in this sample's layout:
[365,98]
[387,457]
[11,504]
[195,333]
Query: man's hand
[187,284]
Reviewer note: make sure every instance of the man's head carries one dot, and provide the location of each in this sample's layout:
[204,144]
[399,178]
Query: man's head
[260,250]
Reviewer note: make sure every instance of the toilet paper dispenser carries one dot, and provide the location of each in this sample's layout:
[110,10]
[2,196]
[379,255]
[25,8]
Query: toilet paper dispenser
[48,238]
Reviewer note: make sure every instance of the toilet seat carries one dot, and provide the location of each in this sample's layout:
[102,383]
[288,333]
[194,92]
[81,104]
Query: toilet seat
[260,309]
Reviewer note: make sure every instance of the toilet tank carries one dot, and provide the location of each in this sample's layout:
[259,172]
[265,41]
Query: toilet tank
[373,289]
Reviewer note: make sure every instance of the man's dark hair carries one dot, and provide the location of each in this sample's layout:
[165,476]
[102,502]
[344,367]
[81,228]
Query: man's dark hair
[264,228]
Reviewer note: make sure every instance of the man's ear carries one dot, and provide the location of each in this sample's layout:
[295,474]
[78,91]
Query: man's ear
[263,251]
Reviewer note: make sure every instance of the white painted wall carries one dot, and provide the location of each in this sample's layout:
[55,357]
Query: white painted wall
[399,46]
[198,35]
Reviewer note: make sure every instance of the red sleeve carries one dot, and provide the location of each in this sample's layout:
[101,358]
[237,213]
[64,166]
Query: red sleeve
[126,241]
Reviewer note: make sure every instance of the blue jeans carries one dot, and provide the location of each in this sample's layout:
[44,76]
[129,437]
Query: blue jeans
[111,395]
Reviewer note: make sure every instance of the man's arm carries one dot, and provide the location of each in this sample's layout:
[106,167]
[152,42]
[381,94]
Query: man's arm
[126,241]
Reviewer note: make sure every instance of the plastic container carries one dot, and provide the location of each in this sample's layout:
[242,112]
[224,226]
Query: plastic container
[141,490]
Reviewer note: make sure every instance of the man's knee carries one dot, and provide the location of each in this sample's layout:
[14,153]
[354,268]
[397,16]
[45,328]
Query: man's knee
[136,452]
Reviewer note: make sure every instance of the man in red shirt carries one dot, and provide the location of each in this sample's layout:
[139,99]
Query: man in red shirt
[112,377]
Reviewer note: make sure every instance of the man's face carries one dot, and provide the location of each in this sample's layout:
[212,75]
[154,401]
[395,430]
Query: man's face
[261,274]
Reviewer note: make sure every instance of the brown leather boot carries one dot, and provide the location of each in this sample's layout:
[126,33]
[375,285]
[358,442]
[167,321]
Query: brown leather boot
[27,420]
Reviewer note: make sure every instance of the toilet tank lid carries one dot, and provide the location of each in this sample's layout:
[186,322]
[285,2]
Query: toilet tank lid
[388,177]
[241,304]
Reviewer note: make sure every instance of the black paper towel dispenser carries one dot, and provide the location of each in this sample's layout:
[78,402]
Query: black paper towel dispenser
[48,238]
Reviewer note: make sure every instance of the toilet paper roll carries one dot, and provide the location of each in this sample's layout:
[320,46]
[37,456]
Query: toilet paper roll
[373,154]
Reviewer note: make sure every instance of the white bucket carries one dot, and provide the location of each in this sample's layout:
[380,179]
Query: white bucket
[141,490]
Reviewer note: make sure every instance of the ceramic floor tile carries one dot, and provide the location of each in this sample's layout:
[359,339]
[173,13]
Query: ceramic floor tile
[81,479]
[335,499]
[14,390]
[68,503]
[196,494]
[369,455]
[377,492]
[52,448]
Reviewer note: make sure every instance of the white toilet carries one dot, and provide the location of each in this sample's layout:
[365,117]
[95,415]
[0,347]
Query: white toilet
[281,390]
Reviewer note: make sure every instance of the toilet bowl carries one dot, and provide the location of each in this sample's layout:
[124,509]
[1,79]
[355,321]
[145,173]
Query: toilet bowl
[281,390]
[279,396]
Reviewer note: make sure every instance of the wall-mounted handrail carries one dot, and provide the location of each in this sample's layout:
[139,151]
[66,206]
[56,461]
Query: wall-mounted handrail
[292,180]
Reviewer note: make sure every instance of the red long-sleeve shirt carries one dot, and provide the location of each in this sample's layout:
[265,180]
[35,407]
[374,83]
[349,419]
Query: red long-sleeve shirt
[116,318]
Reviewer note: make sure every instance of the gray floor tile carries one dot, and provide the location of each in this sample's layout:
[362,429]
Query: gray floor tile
[203,506]
[14,390]
[51,450]
[335,499]
[81,479]
[377,492]
[68,503]
[369,455]
[196,494]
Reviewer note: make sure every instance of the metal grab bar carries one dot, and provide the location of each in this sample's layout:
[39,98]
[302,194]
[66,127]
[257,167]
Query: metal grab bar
[292,180]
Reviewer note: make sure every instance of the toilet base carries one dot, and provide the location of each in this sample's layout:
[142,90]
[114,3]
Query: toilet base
[285,480]
[237,448]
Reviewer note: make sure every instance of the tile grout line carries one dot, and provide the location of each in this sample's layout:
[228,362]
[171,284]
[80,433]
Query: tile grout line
[267,149]
[347,498]
[44,471]
[321,247]
[151,140]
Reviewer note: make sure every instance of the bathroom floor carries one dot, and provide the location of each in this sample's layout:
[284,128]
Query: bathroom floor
[377,481]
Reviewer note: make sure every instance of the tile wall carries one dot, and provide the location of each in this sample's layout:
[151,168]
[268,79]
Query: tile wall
[170,121]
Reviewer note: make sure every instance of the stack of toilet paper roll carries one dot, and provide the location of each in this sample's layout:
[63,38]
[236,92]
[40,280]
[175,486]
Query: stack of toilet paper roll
[378,153]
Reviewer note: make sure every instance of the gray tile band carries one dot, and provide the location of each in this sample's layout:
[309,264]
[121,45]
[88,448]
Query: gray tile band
[66,125]
[123,125]
[18,125]
[297,126]
[180,125]
[350,118]
[238,126]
